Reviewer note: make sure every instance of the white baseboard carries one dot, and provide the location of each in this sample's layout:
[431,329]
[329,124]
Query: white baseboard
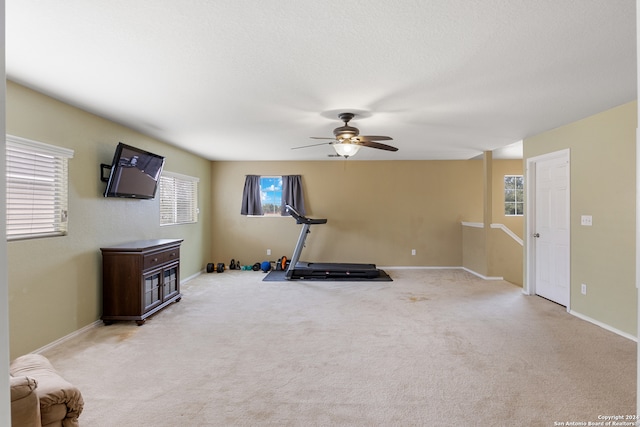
[193,276]
[482,276]
[68,337]
[440,268]
[604,326]
[414,267]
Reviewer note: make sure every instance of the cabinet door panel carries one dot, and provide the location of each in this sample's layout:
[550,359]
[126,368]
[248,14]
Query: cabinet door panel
[171,283]
[152,290]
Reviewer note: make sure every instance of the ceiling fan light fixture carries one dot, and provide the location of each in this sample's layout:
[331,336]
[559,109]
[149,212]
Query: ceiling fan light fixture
[347,140]
[346,149]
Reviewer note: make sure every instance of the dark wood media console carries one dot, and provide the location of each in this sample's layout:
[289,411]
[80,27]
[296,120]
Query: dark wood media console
[139,279]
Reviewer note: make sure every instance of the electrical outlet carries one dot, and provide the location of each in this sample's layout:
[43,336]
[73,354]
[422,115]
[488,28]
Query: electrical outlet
[268,251]
[583,289]
[413,251]
[586,220]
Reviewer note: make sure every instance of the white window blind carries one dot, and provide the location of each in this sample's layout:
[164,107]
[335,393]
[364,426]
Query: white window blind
[37,189]
[178,199]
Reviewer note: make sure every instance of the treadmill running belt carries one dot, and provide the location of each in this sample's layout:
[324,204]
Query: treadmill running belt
[334,270]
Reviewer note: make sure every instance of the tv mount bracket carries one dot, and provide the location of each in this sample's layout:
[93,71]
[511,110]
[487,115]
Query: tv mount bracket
[102,169]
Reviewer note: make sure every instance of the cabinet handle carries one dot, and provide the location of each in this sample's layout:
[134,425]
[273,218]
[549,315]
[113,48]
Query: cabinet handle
[173,254]
[155,260]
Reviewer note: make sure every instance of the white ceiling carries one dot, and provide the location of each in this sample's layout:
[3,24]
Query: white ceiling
[250,79]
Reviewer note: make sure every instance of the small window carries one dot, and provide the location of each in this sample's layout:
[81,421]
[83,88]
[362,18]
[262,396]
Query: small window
[513,195]
[37,189]
[271,195]
[178,199]
[267,195]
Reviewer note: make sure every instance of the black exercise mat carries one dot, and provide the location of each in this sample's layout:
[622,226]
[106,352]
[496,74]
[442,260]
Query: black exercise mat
[279,276]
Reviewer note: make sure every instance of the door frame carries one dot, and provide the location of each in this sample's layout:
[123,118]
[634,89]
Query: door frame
[530,260]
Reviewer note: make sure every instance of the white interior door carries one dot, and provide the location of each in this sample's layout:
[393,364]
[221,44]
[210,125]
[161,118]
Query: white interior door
[551,230]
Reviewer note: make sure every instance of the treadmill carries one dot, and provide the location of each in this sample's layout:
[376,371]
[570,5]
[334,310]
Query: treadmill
[319,270]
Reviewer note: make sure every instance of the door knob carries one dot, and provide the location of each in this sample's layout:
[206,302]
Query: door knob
[536,235]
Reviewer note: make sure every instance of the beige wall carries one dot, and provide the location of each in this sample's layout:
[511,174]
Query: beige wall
[492,252]
[474,249]
[505,257]
[377,212]
[602,153]
[55,283]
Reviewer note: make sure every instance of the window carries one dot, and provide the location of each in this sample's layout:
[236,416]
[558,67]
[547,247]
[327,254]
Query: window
[178,199]
[267,195]
[271,195]
[513,195]
[37,189]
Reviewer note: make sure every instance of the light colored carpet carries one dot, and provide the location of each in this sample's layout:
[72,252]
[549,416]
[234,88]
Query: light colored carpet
[431,348]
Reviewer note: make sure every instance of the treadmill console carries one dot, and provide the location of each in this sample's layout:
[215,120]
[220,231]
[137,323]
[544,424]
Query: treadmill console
[300,219]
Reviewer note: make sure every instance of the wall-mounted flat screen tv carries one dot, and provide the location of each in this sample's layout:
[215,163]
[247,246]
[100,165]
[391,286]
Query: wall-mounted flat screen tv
[134,173]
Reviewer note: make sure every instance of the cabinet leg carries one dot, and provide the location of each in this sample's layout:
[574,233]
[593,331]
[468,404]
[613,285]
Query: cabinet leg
[107,322]
[140,322]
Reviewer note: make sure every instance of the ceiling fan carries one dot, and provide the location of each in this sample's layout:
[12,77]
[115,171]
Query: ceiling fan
[347,139]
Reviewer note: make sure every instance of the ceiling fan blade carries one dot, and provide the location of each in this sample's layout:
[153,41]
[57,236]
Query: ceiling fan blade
[374,138]
[321,137]
[312,145]
[372,144]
